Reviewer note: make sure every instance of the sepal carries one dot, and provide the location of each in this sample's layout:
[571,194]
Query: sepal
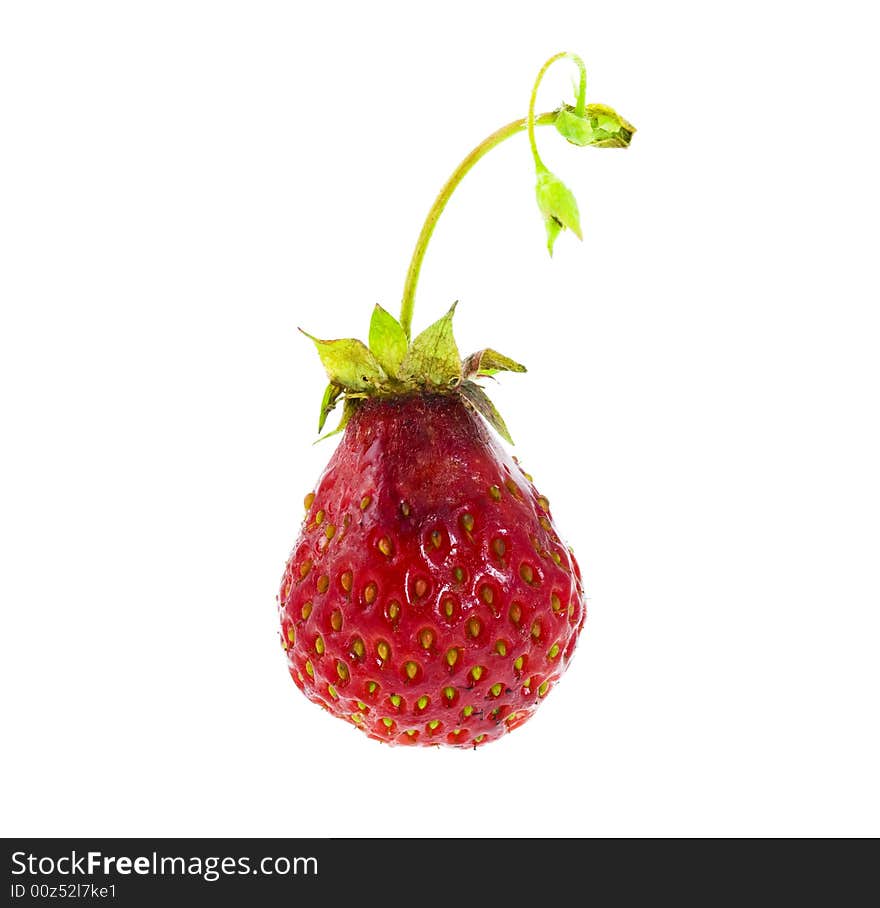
[348,409]
[433,358]
[328,403]
[600,126]
[349,363]
[387,339]
[488,362]
[479,400]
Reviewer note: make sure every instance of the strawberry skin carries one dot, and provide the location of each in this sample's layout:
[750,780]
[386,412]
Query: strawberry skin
[429,598]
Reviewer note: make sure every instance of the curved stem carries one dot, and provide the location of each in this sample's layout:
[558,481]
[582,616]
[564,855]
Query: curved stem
[581,103]
[531,119]
[415,265]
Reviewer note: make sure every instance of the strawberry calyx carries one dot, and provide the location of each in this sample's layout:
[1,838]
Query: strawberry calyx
[598,125]
[390,365]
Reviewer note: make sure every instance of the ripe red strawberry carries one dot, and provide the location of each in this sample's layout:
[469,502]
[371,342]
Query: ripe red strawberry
[429,598]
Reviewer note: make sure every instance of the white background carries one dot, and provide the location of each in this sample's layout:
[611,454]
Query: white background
[182,184]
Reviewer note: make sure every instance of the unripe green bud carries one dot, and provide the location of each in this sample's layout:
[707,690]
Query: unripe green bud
[600,126]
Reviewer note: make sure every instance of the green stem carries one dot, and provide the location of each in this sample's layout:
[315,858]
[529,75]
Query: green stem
[539,164]
[497,137]
[580,104]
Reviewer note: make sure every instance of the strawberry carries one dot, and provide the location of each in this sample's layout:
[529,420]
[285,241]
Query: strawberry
[429,598]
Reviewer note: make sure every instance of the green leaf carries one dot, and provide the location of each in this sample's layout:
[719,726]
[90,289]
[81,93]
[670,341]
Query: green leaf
[348,409]
[600,126]
[478,399]
[348,363]
[331,394]
[488,362]
[433,357]
[388,341]
[573,128]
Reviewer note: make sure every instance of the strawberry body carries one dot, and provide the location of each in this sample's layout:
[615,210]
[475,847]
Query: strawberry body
[429,598]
